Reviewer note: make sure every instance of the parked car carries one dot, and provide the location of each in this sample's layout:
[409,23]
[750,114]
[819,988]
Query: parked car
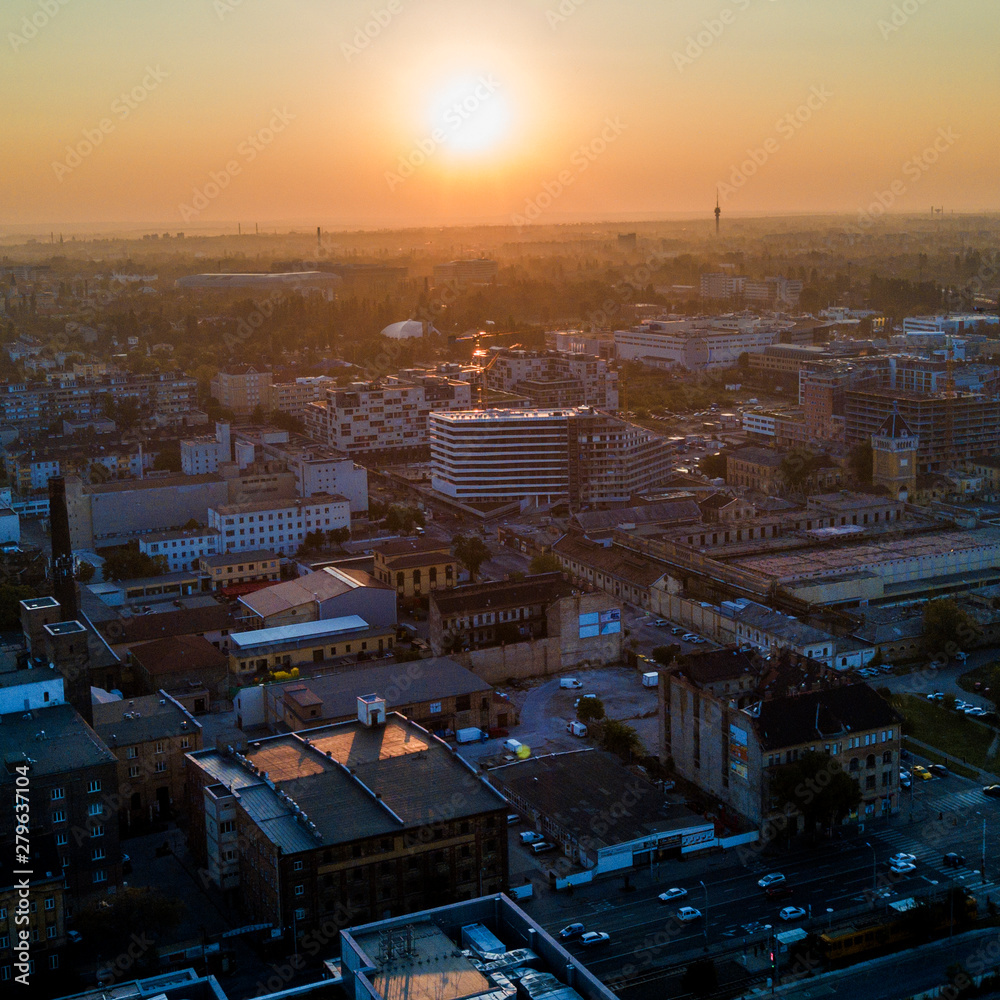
[542,847]
[74,937]
[571,931]
[570,683]
[768,880]
[902,858]
[921,772]
[903,868]
[938,769]
[993,791]
[661,622]
[936,696]
[594,937]
[530,837]
[666,897]
[688,913]
[953,860]
[676,630]
[792,913]
[905,779]
[690,637]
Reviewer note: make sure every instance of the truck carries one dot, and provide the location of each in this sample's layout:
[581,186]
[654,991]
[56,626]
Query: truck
[470,735]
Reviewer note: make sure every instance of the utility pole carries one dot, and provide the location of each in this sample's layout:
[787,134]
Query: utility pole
[704,918]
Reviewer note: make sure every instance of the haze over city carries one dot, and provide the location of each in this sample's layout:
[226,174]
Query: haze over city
[444,112]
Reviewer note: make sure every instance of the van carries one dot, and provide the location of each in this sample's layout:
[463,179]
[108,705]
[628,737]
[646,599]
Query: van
[512,746]
[576,729]
[570,682]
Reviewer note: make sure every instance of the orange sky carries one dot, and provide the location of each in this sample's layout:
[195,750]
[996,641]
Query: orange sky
[408,112]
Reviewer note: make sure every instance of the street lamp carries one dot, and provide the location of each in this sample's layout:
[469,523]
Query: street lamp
[982,870]
[874,871]
[829,923]
[705,915]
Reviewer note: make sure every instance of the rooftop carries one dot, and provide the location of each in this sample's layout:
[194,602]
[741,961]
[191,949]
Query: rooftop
[159,483]
[160,624]
[542,588]
[55,740]
[245,556]
[178,654]
[758,456]
[637,570]
[320,586]
[139,720]
[326,628]
[297,503]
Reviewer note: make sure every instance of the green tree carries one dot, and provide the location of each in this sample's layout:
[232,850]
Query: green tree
[128,563]
[545,562]
[947,629]
[817,787]
[471,551]
[11,595]
[713,466]
[85,572]
[621,739]
[590,709]
[664,655]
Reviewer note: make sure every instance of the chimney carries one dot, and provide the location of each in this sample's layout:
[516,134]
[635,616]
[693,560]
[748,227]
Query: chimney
[63,584]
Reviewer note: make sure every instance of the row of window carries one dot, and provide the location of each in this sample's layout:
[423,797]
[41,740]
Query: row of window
[5,973]
[94,809]
[58,792]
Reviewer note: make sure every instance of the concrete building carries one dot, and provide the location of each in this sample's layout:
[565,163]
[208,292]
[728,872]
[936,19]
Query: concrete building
[249,566]
[149,736]
[327,593]
[243,388]
[113,513]
[463,952]
[25,690]
[278,525]
[266,650]
[539,456]
[386,415]
[565,795]
[73,794]
[293,397]
[206,453]
[187,667]
[473,271]
[553,379]
[331,817]
[415,568]
[951,323]
[181,548]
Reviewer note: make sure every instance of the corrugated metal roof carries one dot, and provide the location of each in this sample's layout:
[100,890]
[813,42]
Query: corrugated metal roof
[304,630]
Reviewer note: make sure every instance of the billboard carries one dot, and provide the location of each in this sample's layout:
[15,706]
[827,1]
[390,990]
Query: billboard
[596,623]
[738,754]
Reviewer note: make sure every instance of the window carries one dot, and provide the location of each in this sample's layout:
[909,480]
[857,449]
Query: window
[297,866]
[58,816]
[94,786]
[58,793]
[50,903]
[300,890]
[228,826]
[51,931]
[159,746]
[100,875]
[131,753]
[886,756]
[435,708]
[96,831]
[98,854]
[5,969]
[4,944]
[185,743]
[133,771]
[161,766]
[61,841]
[95,809]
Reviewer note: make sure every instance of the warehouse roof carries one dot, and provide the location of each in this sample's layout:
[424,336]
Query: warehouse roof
[54,740]
[313,587]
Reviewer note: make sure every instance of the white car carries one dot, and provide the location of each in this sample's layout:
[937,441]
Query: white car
[902,867]
[961,706]
[768,880]
[792,913]
[666,897]
[902,858]
[688,913]
[690,637]
[661,622]
[936,696]
[594,937]
[530,837]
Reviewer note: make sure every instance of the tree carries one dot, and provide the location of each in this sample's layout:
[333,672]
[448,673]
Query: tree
[947,628]
[713,466]
[590,709]
[85,572]
[128,563]
[471,551]
[11,596]
[621,739]
[337,536]
[545,562]
[817,787]
[168,460]
[664,655]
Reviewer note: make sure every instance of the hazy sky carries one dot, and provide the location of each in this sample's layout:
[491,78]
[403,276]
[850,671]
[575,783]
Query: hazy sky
[402,112]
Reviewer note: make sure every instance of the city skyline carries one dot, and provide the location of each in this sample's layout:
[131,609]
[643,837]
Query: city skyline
[400,114]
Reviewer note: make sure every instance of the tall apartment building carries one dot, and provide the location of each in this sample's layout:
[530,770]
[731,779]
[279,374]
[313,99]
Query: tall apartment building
[721,286]
[553,379]
[694,344]
[386,415]
[204,453]
[242,388]
[293,397]
[950,428]
[475,271]
[278,525]
[543,455]
[768,291]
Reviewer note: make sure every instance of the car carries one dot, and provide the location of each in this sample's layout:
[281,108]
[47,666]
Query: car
[902,858]
[513,819]
[666,897]
[772,879]
[936,696]
[571,931]
[903,868]
[542,847]
[953,860]
[676,630]
[778,891]
[792,913]
[688,913]
[905,779]
[594,937]
[661,623]
[572,683]
[938,769]
[975,711]
[690,637]
[699,638]
[961,706]
[993,791]
[530,837]
[921,772]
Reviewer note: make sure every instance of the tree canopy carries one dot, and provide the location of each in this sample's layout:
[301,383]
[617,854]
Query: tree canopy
[545,562]
[817,787]
[471,551]
[947,628]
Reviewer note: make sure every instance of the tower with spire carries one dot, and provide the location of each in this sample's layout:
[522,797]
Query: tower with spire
[718,211]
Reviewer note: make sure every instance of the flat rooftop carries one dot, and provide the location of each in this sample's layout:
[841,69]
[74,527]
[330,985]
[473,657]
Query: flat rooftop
[325,629]
[55,739]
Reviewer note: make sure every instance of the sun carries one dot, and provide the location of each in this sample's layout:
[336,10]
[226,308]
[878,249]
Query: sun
[470,115]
